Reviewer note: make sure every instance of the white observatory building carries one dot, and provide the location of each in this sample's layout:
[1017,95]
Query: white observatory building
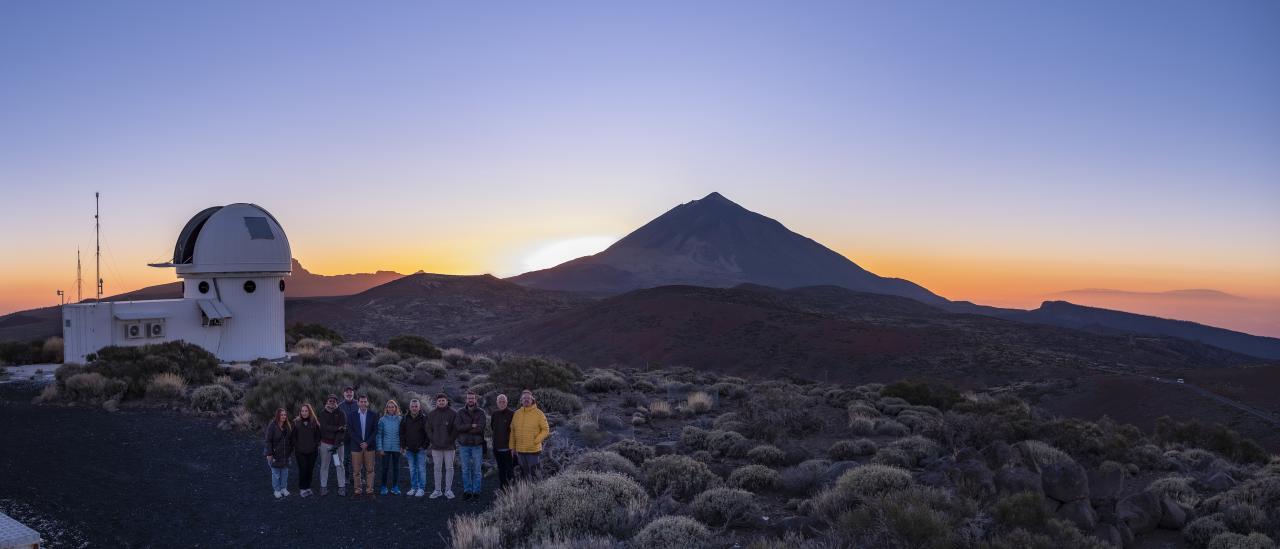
[232,261]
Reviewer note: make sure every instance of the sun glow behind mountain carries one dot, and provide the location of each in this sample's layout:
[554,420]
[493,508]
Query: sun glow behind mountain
[557,252]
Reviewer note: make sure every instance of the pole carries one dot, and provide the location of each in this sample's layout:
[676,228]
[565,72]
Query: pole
[79,280]
[62,299]
[97,247]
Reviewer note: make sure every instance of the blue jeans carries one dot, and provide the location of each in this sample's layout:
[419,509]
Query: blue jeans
[417,462]
[390,466]
[471,457]
[279,478]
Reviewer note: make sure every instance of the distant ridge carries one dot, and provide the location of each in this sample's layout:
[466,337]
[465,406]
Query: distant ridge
[714,242]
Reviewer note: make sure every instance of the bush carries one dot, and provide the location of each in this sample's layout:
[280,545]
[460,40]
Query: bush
[604,382]
[385,357]
[857,485]
[804,478]
[767,454]
[1025,510]
[569,505]
[312,384]
[728,390]
[215,398]
[166,386]
[455,357]
[726,443]
[413,345]
[682,476]
[635,451]
[1201,531]
[31,352]
[554,400]
[1245,518]
[1232,540]
[917,516]
[392,371]
[136,366]
[1215,437]
[923,392]
[673,532]
[91,387]
[300,331]
[1177,488]
[889,428]
[533,373]
[604,462]
[843,450]
[699,402]
[755,478]
[919,449]
[659,409]
[724,507]
[862,426]
[774,411]
[896,457]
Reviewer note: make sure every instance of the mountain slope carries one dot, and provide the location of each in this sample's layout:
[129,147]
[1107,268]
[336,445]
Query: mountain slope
[714,242]
[452,308]
[1070,315]
[833,333]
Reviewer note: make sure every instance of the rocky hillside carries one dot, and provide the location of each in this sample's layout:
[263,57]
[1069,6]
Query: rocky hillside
[833,333]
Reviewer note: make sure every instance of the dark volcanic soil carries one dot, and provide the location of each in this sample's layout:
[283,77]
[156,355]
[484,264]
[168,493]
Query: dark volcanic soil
[154,478]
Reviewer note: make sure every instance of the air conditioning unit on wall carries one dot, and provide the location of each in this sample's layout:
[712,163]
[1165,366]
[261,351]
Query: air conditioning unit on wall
[155,329]
[134,330]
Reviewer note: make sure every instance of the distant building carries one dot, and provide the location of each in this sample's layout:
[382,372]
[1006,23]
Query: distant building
[232,261]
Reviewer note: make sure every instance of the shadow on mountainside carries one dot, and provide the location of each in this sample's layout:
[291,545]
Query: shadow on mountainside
[153,478]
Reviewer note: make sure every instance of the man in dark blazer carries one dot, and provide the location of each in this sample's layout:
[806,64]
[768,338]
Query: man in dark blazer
[362,424]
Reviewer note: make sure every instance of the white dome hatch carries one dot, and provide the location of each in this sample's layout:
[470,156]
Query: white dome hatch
[237,238]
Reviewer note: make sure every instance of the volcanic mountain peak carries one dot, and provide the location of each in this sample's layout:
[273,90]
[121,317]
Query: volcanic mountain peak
[715,242]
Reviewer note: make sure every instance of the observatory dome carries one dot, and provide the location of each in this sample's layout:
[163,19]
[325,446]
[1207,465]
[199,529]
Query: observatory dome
[237,238]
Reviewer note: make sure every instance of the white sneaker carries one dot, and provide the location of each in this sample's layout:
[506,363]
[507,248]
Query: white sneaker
[284,492]
[437,494]
[421,492]
[449,494]
[278,494]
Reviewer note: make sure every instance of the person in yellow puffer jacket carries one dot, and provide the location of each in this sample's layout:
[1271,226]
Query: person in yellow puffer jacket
[528,429]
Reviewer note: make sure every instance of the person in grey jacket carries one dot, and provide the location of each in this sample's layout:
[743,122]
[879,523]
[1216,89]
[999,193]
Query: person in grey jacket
[471,423]
[441,434]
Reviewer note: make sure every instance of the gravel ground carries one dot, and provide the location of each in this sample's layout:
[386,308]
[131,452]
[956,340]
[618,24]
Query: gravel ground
[154,478]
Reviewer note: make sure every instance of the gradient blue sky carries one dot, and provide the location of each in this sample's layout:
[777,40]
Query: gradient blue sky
[993,151]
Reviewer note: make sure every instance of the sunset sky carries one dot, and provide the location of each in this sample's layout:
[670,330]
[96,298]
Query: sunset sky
[997,152]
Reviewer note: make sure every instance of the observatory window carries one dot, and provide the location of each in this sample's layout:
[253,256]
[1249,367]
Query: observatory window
[249,286]
[259,229]
[203,287]
[282,285]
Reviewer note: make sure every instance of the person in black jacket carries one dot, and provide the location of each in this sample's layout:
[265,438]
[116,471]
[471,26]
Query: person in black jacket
[278,442]
[471,423]
[306,444]
[441,436]
[333,435]
[413,440]
[500,425]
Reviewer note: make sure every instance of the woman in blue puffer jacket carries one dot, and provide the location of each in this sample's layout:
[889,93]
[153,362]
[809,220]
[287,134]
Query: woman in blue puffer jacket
[388,442]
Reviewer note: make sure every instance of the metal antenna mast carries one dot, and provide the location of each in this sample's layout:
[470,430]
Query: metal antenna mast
[79,280]
[97,246]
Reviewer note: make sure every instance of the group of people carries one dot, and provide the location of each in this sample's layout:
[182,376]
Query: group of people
[348,432]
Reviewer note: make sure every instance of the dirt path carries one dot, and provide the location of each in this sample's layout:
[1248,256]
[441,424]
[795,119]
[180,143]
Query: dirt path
[157,479]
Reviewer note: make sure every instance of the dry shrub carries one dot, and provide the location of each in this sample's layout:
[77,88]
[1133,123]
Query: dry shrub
[604,382]
[755,478]
[604,462]
[567,506]
[862,426]
[1178,488]
[212,398]
[166,386]
[385,356]
[392,371]
[660,409]
[921,517]
[673,532]
[455,357]
[724,507]
[803,479]
[842,450]
[473,532]
[682,476]
[891,428]
[48,394]
[896,457]
[635,451]
[699,402]
[90,387]
[555,400]
[767,454]
[859,485]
